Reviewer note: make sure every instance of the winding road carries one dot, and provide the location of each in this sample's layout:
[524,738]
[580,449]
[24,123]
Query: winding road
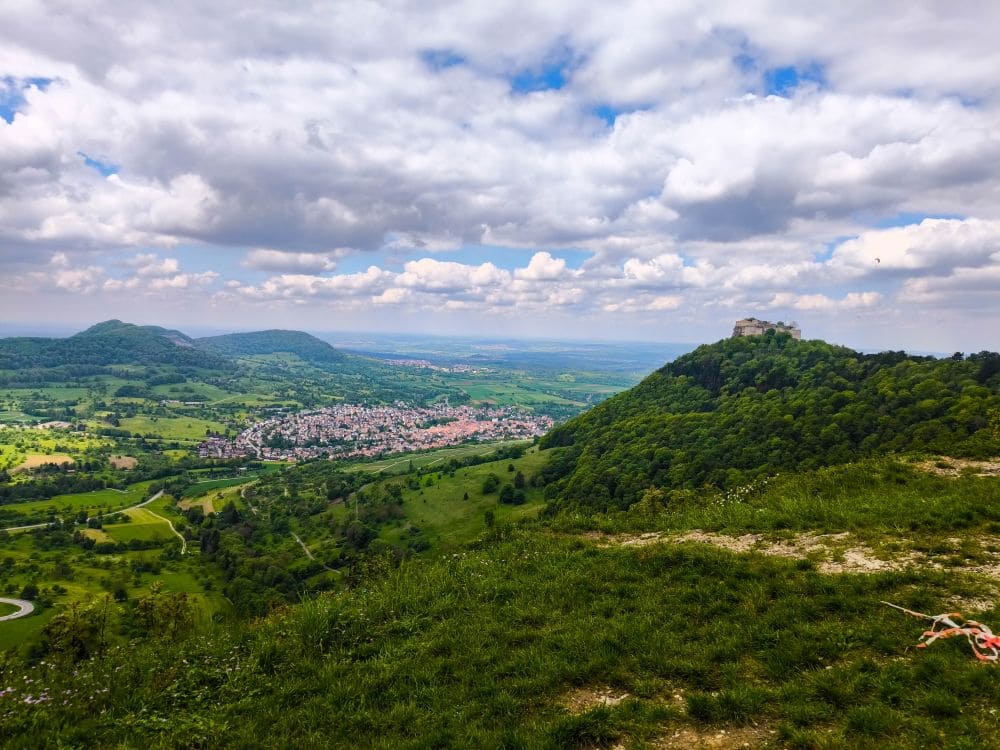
[25,608]
[157,496]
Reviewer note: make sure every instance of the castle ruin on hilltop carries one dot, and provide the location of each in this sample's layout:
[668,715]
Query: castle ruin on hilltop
[754,327]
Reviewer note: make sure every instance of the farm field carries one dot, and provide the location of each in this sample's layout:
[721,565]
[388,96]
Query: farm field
[401,464]
[29,448]
[172,428]
[144,526]
[94,503]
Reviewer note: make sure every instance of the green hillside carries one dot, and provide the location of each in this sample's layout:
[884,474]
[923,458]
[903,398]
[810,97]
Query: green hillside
[535,637]
[107,343]
[301,344]
[747,407]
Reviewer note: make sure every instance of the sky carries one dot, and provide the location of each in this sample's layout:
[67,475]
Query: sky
[617,171]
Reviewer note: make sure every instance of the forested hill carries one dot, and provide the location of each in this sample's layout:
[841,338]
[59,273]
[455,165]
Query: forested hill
[301,344]
[744,407]
[107,343]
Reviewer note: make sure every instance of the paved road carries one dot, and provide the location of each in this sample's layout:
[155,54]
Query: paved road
[26,608]
[157,496]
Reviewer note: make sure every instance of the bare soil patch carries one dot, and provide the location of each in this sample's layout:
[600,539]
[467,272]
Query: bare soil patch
[832,553]
[204,502]
[696,738]
[583,699]
[123,462]
[953,467]
[34,460]
[98,535]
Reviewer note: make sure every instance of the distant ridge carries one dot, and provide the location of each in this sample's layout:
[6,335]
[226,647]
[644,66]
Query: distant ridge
[273,341]
[108,343]
[115,342]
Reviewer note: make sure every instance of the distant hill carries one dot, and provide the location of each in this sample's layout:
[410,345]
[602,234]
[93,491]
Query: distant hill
[114,342]
[107,343]
[745,407]
[301,344]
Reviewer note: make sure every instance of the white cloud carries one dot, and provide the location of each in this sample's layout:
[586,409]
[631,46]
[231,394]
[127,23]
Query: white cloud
[263,259]
[542,267]
[821,302]
[293,135]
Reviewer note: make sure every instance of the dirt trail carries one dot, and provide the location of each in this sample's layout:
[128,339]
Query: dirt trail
[184,544]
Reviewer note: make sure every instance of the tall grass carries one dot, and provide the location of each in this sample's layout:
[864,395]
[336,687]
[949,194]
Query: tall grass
[481,648]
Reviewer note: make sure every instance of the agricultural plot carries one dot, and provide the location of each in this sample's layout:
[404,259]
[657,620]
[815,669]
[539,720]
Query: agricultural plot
[94,503]
[172,428]
[22,449]
[144,526]
[36,460]
[402,464]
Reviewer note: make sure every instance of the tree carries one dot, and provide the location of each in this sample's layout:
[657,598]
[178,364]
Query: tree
[507,494]
[519,480]
[491,483]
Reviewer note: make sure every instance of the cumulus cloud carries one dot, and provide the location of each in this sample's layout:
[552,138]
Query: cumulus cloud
[263,259]
[650,136]
[542,267]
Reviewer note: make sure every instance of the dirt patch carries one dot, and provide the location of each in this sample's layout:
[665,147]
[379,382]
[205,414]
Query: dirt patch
[832,553]
[732,738]
[204,502]
[584,699]
[953,467]
[34,460]
[123,462]
[98,535]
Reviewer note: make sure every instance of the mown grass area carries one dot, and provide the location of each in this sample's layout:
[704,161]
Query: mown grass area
[482,649]
[402,464]
[509,394]
[172,428]
[210,485]
[144,526]
[7,609]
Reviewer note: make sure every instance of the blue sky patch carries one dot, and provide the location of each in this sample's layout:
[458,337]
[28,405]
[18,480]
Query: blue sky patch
[906,219]
[745,62]
[441,59]
[106,169]
[831,246]
[551,75]
[545,79]
[12,94]
[783,81]
[606,112]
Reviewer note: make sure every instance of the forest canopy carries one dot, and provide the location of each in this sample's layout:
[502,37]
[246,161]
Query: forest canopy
[745,407]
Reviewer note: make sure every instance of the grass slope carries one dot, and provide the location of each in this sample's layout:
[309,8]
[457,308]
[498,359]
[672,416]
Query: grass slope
[484,649]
